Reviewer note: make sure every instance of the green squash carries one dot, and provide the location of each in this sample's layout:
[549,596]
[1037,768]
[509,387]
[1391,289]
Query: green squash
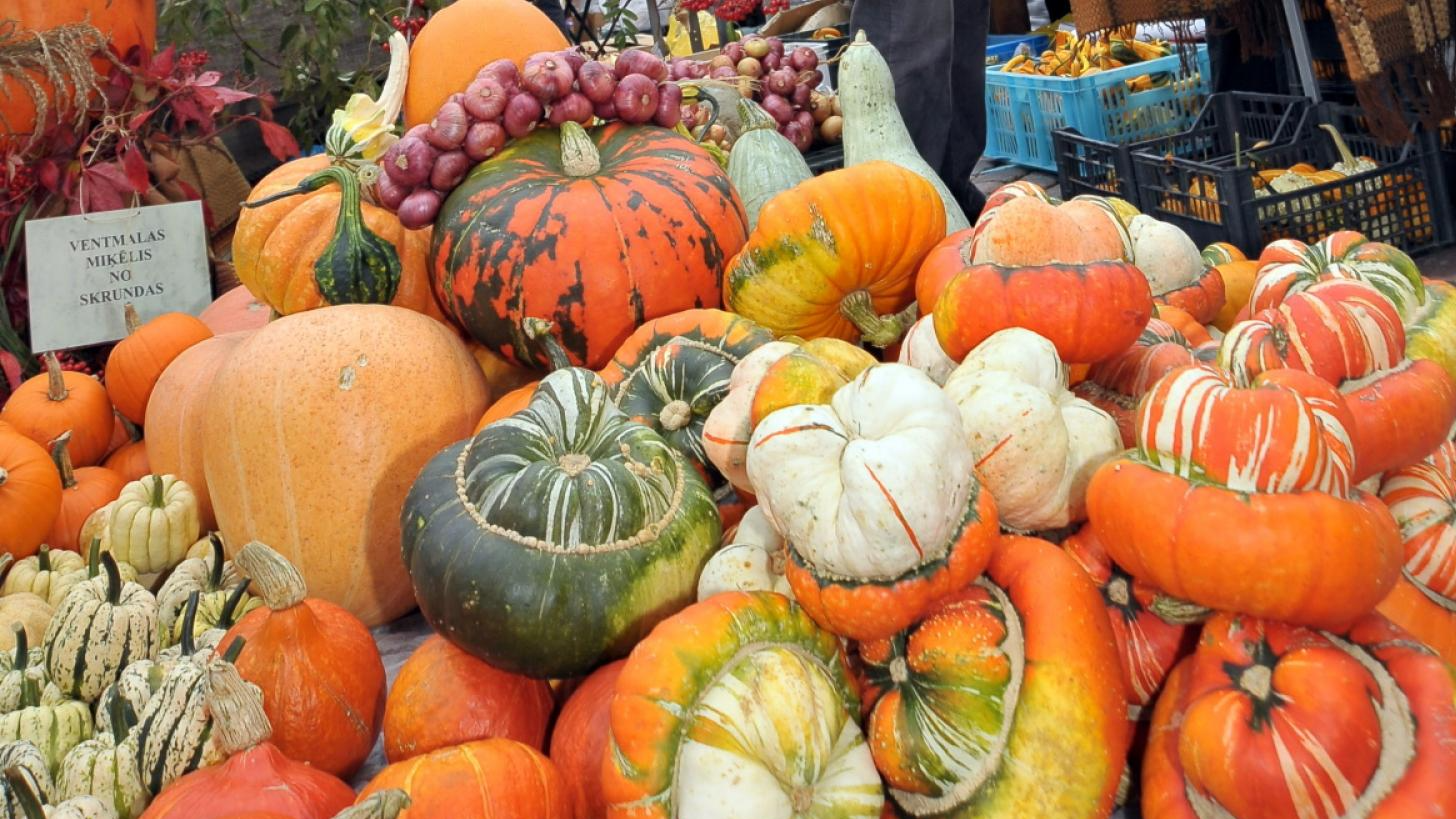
[105,767]
[102,625]
[46,719]
[764,163]
[25,800]
[556,538]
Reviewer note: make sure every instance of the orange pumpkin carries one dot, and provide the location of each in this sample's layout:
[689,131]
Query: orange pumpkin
[58,401]
[236,310]
[489,779]
[83,491]
[462,37]
[314,430]
[137,361]
[443,696]
[1021,226]
[579,740]
[174,420]
[30,494]
[502,376]
[276,245]
[1238,285]
[1423,601]
[129,461]
[507,405]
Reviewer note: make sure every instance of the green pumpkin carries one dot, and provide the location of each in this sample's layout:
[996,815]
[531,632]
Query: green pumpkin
[103,624]
[46,719]
[105,768]
[556,538]
[27,764]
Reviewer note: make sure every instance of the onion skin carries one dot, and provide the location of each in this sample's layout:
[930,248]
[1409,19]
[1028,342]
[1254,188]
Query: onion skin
[734,51]
[803,58]
[485,99]
[772,61]
[484,140]
[574,59]
[523,114]
[573,107]
[750,67]
[547,78]
[636,99]
[821,107]
[722,60]
[806,121]
[796,134]
[781,81]
[597,82]
[724,74]
[756,47]
[419,208]
[409,160]
[449,170]
[504,72]
[802,96]
[640,62]
[669,105]
[832,128]
[389,192]
[447,129]
[779,108]
[605,110]
[811,79]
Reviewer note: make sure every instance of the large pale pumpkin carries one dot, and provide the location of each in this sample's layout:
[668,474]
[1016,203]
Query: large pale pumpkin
[314,430]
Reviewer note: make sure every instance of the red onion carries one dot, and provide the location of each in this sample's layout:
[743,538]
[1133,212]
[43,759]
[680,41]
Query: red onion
[734,52]
[389,192]
[596,82]
[419,131]
[805,120]
[419,208]
[724,74]
[485,99]
[449,169]
[504,72]
[677,68]
[484,140]
[447,129]
[802,96]
[408,160]
[669,105]
[522,115]
[574,59]
[547,78]
[778,108]
[605,110]
[780,81]
[804,58]
[776,46]
[771,61]
[636,98]
[796,134]
[810,78]
[641,62]
[573,107]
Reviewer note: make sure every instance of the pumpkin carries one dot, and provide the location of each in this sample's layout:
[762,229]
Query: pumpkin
[579,739]
[61,583]
[319,669]
[1400,414]
[83,491]
[1423,602]
[25,764]
[443,696]
[137,361]
[378,388]
[101,626]
[1176,271]
[300,244]
[257,775]
[1022,226]
[152,522]
[58,401]
[129,460]
[105,767]
[921,349]
[940,265]
[1091,312]
[1035,445]
[1242,500]
[48,721]
[766,163]
[205,575]
[752,559]
[650,214]
[235,311]
[174,420]
[566,512]
[30,495]
[486,779]
[501,375]
[821,265]
[728,427]
[1238,285]
[14,664]
[464,36]
[738,706]
[37,574]
[1269,719]
[28,611]
[174,732]
[872,542]
[1115,385]
[974,707]
[1288,266]
[873,128]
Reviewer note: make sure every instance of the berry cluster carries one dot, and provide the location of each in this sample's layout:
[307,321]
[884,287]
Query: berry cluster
[408,26]
[735,10]
[191,61]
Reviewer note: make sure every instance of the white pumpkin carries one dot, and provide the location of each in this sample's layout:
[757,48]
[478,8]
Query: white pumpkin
[1035,444]
[727,427]
[153,522]
[873,484]
[921,349]
[1164,253]
[753,560]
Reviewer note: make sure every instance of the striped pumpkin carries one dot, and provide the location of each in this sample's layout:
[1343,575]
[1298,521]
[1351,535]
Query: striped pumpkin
[210,573]
[1421,498]
[1268,719]
[566,512]
[27,762]
[1116,385]
[597,231]
[47,720]
[738,700]
[14,664]
[174,732]
[974,708]
[1288,266]
[1431,332]
[106,767]
[103,624]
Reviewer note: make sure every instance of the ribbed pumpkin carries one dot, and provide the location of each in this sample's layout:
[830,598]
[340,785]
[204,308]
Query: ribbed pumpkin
[256,775]
[83,491]
[373,392]
[58,401]
[1421,497]
[489,779]
[921,349]
[105,767]
[46,719]
[443,696]
[235,311]
[821,264]
[650,214]
[1116,385]
[1431,330]
[1022,226]
[289,255]
[38,573]
[318,666]
[30,494]
[566,512]
[973,709]
[137,361]
[129,460]
[152,523]
[1288,266]
[579,739]
[738,700]
[102,625]
[1267,719]
[212,572]
[174,425]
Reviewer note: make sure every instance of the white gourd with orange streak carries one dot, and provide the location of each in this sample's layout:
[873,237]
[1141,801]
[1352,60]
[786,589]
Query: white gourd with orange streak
[727,428]
[921,349]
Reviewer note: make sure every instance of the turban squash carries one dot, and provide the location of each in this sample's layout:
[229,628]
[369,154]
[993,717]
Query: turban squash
[1431,332]
[1177,272]
[1421,498]
[1116,385]
[1288,266]
[596,231]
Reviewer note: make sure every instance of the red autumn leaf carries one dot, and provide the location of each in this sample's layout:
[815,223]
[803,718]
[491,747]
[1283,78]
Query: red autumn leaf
[162,63]
[104,187]
[207,79]
[278,140]
[228,96]
[135,167]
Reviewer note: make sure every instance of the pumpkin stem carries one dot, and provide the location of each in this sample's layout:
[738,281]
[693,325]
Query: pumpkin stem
[214,579]
[43,558]
[1346,157]
[61,454]
[279,583]
[230,606]
[537,333]
[4,476]
[579,155]
[30,686]
[23,789]
[675,415]
[56,379]
[133,321]
[881,331]
[93,558]
[234,649]
[237,710]
[22,647]
[158,500]
[385,804]
[189,622]
[113,579]
[133,433]
[123,717]
[1179,612]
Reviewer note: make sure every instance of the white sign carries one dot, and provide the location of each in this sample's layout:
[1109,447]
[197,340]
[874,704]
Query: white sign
[83,271]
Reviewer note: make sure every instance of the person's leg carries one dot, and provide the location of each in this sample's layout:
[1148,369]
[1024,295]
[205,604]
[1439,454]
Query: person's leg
[916,40]
[556,11]
[967,136]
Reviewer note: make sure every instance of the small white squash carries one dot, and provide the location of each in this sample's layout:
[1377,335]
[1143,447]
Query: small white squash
[921,349]
[153,522]
[753,560]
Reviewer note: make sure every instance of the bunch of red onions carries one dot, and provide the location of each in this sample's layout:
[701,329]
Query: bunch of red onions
[783,82]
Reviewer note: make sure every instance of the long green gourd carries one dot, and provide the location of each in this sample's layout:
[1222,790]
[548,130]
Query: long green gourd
[763,163]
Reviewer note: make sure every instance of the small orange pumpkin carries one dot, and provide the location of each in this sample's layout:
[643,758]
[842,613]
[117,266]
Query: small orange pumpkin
[138,360]
[30,494]
[58,401]
[83,491]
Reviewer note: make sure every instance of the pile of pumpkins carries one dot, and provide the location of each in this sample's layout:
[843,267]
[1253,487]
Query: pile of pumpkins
[729,505]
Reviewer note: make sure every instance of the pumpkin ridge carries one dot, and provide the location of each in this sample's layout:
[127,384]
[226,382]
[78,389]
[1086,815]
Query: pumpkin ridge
[1428,592]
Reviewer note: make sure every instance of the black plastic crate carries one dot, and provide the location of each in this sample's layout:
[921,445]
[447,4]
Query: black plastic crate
[1404,201]
[1446,147]
[1091,166]
[825,158]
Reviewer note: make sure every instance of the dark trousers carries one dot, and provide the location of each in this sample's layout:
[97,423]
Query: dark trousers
[555,10]
[937,53]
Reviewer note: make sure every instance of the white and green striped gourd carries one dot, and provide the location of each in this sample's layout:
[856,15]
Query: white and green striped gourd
[102,624]
[105,767]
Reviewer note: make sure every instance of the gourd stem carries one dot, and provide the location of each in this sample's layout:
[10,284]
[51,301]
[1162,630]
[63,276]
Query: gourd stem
[22,647]
[579,155]
[713,111]
[43,558]
[133,321]
[158,500]
[113,579]
[122,718]
[279,583]
[20,788]
[881,331]
[385,804]
[1346,158]
[230,606]
[538,334]
[93,558]
[753,117]
[237,710]
[1179,612]
[30,685]
[189,622]
[234,649]
[214,579]
[61,454]
[56,379]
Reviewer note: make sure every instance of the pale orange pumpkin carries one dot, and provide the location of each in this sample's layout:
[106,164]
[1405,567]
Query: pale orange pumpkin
[30,494]
[138,360]
[236,310]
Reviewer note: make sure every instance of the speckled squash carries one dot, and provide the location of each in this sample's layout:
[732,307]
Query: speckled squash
[100,626]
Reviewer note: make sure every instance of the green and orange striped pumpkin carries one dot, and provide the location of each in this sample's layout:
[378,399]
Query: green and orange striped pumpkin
[597,231]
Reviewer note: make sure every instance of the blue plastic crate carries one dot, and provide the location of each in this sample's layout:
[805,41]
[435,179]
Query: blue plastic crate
[1022,110]
[1002,47]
